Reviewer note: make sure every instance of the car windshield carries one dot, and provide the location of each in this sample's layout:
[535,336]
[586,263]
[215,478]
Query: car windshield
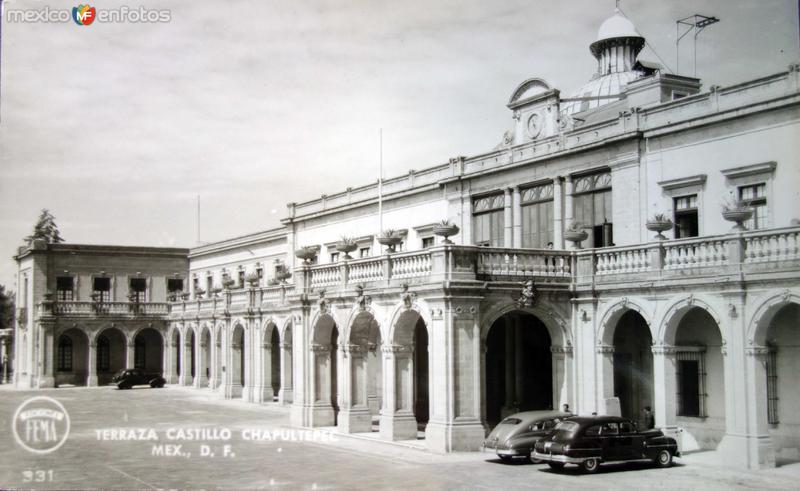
[511,421]
[566,429]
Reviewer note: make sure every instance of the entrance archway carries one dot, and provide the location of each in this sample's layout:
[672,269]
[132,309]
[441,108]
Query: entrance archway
[325,366]
[72,358]
[519,366]
[148,351]
[633,366]
[111,351]
[700,402]
[359,375]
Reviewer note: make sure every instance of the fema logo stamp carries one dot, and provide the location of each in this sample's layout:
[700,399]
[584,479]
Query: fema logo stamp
[41,425]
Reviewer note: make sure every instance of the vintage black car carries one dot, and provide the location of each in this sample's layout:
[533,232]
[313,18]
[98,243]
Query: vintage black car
[516,435]
[125,379]
[588,441]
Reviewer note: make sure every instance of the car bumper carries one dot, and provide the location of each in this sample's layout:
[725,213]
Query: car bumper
[564,459]
[510,452]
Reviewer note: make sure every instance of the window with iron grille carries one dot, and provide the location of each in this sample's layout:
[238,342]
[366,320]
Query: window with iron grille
[686,217]
[64,354]
[139,352]
[65,288]
[138,289]
[101,287]
[691,378]
[756,197]
[772,387]
[103,354]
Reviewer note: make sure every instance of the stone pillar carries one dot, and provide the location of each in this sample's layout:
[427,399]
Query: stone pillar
[219,364]
[354,414]
[562,370]
[321,411]
[130,347]
[605,372]
[517,202]
[6,358]
[760,449]
[233,376]
[287,368]
[569,211]
[201,363]
[249,351]
[91,378]
[665,386]
[185,377]
[47,355]
[212,362]
[397,416]
[558,225]
[264,392]
[373,374]
[507,219]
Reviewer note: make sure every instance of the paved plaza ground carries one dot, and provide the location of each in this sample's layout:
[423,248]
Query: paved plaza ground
[94,458]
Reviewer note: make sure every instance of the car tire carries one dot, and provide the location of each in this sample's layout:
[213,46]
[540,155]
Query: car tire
[123,386]
[590,466]
[556,465]
[534,460]
[663,458]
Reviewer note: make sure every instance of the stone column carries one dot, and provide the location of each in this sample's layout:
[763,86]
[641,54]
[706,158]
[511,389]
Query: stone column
[761,451]
[201,363]
[6,357]
[558,225]
[354,414]
[507,219]
[286,390]
[605,372]
[249,351]
[91,378]
[264,392]
[397,416]
[130,347]
[665,386]
[569,211]
[562,368]
[233,376]
[212,362]
[185,377]
[517,202]
[321,411]
[219,365]
[373,373]
[47,355]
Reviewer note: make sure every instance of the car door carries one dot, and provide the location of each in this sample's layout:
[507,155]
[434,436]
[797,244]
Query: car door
[632,440]
[611,445]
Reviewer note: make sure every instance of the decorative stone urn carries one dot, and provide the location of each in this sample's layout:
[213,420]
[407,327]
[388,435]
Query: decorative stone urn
[576,235]
[199,292]
[445,229]
[659,223]
[389,238]
[252,279]
[307,253]
[739,216]
[228,283]
[346,246]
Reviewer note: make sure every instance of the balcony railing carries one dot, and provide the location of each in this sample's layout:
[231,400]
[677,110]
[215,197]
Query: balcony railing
[235,300]
[88,309]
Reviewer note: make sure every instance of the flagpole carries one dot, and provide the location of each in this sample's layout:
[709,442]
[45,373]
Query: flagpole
[380,184]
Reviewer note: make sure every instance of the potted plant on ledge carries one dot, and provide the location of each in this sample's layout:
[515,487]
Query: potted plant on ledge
[346,245]
[390,238]
[252,279]
[445,229]
[576,234]
[659,223]
[307,253]
[738,211]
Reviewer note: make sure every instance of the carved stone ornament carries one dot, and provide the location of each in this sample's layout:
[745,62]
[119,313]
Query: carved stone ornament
[604,349]
[363,301]
[534,125]
[508,138]
[324,305]
[527,295]
[408,299]
[662,349]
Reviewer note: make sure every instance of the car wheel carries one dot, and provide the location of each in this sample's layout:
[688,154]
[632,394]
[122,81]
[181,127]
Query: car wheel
[534,460]
[590,465]
[664,458]
[556,465]
[123,386]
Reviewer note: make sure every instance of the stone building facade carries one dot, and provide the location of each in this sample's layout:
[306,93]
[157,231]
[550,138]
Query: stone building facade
[439,338]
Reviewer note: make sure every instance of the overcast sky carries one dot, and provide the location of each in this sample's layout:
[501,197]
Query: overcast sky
[116,128]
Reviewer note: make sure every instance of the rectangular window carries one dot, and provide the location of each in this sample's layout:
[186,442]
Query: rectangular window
[537,216]
[691,376]
[686,219]
[772,388]
[334,257]
[363,252]
[592,208]
[209,284]
[64,354]
[427,242]
[101,289]
[260,272]
[138,289]
[488,221]
[175,285]
[195,284]
[65,287]
[756,197]
[241,278]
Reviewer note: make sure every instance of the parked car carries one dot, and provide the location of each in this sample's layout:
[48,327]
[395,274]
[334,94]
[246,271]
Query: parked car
[125,379]
[516,435]
[588,441]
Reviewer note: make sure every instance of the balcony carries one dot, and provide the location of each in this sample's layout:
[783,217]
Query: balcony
[235,300]
[49,308]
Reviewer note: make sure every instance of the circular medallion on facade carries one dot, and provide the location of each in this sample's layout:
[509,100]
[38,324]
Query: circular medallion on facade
[41,425]
[534,125]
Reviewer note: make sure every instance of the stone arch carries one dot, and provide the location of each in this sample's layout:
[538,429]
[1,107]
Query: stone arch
[149,348]
[111,352]
[72,356]
[161,333]
[675,313]
[286,392]
[418,306]
[611,316]
[556,326]
[762,317]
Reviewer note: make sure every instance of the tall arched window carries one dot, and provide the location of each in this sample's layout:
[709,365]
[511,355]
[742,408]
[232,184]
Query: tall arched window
[64,354]
[103,354]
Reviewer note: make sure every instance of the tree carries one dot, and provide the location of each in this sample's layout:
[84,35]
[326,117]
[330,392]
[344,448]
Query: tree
[6,308]
[45,229]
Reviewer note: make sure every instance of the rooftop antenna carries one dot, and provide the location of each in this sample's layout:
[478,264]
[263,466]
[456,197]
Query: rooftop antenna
[694,23]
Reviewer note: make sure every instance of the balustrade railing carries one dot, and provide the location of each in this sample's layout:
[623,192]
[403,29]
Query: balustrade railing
[621,260]
[772,245]
[695,253]
[524,262]
[411,265]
